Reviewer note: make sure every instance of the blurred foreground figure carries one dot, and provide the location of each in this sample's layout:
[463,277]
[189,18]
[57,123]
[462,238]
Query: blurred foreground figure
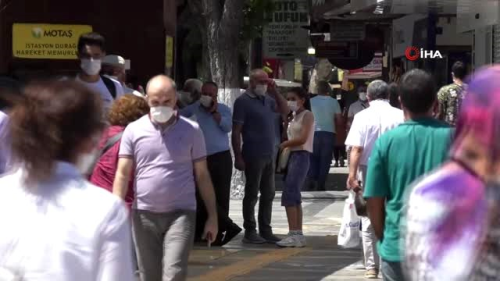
[453,231]
[48,230]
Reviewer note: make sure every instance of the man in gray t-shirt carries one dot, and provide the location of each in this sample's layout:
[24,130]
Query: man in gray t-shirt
[168,155]
[255,121]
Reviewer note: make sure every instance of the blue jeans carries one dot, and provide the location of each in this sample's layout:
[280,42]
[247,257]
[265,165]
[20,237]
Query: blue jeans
[322,156]
[296,175]
[392,271]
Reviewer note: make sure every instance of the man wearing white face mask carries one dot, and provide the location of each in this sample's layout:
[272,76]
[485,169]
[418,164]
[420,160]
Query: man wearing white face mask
[361,104]
[168,155]
[254,121]
[91,51]
[215,121]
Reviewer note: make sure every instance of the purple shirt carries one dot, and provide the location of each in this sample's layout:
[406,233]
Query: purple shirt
[4,144]
[164,163]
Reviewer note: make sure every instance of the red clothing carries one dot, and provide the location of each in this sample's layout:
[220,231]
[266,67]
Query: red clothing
[105,169]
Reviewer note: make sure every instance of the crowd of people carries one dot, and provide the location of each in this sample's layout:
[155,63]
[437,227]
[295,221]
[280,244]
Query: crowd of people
[92,198]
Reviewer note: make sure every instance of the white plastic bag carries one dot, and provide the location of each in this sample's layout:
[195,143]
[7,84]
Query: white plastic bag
[349,234]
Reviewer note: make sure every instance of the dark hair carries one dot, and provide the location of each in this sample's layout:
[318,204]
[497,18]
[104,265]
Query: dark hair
[211,83]
[127,109]
[302,95]
[51,123]
[324,88]
[394,95]
[418,91]
[92,39]
[458,69]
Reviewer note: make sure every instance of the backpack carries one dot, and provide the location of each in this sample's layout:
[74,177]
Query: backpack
[110,85]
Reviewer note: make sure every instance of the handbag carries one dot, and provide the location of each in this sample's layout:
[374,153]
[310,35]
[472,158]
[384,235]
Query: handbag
[360,205]
[283,160]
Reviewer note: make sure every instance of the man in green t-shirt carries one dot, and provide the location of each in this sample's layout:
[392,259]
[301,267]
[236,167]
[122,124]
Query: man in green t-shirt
[400,156]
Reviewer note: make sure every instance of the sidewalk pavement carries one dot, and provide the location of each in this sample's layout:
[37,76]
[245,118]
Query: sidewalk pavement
[321,260]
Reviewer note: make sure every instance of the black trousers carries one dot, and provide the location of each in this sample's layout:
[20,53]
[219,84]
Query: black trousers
[220,166]
[339,152]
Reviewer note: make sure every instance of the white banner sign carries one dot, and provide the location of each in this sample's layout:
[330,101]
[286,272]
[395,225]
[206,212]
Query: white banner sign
[285,37]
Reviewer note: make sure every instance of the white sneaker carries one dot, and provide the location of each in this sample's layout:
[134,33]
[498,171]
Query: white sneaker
[292,241]
[302,240]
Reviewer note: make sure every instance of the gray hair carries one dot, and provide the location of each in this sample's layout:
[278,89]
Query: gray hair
[192,85]
[378,90]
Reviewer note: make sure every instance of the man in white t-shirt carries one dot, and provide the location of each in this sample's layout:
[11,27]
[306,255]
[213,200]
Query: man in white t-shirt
[367,127]
[90,52]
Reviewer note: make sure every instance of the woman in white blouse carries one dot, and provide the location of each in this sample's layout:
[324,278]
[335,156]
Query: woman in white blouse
[54,224]
[300,143]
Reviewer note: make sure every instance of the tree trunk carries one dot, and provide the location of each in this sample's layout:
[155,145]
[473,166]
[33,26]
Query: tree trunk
[220,29]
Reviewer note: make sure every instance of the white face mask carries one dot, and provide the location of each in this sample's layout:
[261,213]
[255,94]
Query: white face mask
[293,106]
[91,66]
[86,162]
[261,90]
[161,114]
[362,96]
[206,101]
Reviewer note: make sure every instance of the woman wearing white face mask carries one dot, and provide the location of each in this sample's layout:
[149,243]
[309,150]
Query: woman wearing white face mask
[64,227]
[300,142]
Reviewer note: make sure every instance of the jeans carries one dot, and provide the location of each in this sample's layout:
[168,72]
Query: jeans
[163,242]
[296,175]
[220,167]
[392,271]
[259,174]
[322,156]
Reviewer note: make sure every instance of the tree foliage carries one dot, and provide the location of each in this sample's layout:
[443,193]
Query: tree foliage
[255,18]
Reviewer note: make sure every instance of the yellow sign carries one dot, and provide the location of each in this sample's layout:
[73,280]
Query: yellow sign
[351,86]
[46,41]
[169,52]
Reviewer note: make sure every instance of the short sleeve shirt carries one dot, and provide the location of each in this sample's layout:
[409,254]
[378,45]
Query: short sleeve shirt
[356,108]
[258,117]
[324,109]
[450,99]
[370,124]
[100,88]
[400,157]
[164,163]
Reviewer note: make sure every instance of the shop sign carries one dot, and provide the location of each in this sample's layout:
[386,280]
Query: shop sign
[376,64]
[336,50]
[46,41]
[285,36]
[345,32]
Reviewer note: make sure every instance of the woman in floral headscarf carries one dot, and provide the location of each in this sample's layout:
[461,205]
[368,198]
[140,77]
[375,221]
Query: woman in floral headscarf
[452,225]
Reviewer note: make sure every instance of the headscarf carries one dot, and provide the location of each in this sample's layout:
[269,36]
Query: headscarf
[459,234]
[480,116]
[480,113]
